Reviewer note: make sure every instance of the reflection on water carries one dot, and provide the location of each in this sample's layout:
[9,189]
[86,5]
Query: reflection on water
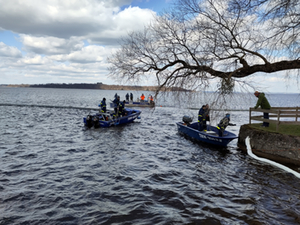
[55,171]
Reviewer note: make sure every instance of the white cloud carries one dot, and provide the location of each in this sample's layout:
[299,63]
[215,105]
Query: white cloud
[9,51]
[88,54]
[36,60]
[68,39]
[120,24]
[50,45]
[87,19]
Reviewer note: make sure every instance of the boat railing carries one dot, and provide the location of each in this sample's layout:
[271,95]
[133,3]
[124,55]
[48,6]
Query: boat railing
[277,115]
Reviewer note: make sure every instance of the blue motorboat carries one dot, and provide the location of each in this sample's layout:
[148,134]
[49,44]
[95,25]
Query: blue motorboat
[109,119]
[209,136]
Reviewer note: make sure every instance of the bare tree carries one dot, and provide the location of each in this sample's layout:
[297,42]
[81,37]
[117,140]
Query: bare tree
[282,17]
[202,40]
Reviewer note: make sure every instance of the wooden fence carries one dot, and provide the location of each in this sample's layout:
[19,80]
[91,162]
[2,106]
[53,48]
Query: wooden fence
[276,114]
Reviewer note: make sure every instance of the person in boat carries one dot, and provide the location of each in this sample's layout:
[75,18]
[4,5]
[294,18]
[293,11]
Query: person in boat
[116,102]
[131,97]
[223,124]
[264,104]
[142,97]
[206,114]
[202,118]
[122,109]
[151,99]
[103,105]
[127,97]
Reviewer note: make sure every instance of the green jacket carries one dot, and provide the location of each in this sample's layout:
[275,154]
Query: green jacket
[262,102]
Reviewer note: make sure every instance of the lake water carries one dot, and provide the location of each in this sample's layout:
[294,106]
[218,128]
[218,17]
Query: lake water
[55,171]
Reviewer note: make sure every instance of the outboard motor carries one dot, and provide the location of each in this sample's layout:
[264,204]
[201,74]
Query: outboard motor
[96,122]
[89,121]
[187,120]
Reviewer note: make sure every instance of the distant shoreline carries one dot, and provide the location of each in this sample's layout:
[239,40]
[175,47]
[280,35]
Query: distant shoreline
[99,86]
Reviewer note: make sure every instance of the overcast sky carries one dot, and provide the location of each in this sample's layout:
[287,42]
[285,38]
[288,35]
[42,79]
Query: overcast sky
[68,41]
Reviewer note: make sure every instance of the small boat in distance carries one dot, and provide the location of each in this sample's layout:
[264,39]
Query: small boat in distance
[108,119]
[210,136]
[137,104]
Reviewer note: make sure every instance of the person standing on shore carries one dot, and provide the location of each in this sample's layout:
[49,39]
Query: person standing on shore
[264,104]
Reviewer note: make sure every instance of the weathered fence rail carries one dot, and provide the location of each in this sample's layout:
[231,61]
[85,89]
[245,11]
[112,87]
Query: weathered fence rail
[276,114]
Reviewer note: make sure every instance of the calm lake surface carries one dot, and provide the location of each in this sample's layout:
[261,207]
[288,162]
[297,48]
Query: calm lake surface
[53,170]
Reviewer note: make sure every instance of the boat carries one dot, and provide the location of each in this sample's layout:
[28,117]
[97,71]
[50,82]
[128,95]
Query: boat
[210,136]
[137,104]
[109,119]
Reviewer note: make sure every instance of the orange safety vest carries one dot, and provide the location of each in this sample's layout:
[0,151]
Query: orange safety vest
[143,97]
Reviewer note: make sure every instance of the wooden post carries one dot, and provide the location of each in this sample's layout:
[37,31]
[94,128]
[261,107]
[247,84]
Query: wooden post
[250,116]
[278,120]
[297,110]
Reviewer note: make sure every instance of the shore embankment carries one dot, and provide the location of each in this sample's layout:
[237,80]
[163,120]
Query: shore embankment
[271,145]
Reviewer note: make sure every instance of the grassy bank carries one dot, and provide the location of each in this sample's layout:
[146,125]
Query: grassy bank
[283,129]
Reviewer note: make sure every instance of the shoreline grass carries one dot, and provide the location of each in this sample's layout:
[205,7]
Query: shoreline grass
[283,128]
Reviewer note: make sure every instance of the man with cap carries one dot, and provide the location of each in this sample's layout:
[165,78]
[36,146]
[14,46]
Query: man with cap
[223,124]
[264,104]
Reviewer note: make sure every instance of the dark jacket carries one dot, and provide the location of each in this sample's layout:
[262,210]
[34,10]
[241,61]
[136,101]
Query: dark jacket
[116,101]
[262,102]
[121,105]
[103,106]
[224,123]
[201,115]
[121,108]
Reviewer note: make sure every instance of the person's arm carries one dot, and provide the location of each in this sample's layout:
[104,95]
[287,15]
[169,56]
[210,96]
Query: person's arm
[258,102]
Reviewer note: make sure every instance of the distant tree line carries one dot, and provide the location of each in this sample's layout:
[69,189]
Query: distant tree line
[95,86]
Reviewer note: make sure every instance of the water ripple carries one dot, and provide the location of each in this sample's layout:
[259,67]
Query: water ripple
[55,171]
